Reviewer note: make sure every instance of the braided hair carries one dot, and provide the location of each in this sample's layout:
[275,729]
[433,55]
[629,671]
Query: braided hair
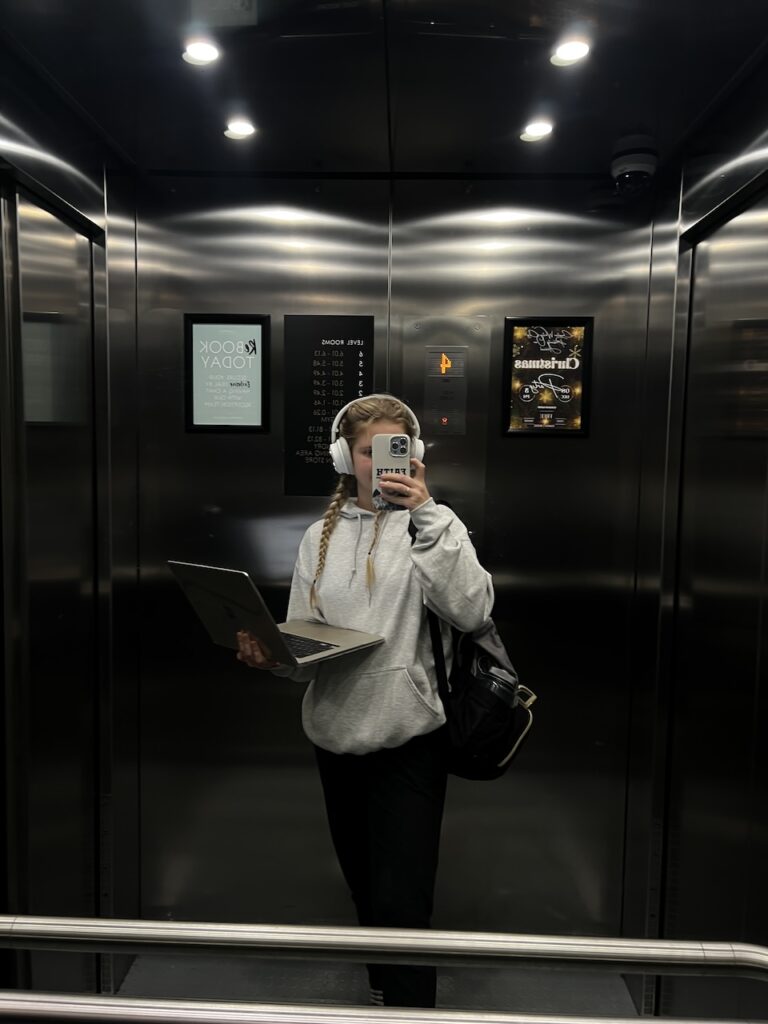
[359,416]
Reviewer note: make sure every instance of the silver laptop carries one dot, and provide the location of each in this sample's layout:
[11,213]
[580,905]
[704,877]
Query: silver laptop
[226,600]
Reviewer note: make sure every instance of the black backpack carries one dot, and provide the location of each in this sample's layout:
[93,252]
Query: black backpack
[488,710]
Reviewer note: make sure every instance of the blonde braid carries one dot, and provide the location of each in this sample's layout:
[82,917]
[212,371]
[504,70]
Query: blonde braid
[330,518]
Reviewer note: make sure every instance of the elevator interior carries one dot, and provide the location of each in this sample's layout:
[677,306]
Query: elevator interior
[387,179]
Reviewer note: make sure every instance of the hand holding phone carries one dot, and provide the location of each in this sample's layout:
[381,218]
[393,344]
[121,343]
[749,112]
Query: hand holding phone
[390,453]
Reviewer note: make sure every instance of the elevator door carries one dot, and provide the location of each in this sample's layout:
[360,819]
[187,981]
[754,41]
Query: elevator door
[56,722]
[718,816]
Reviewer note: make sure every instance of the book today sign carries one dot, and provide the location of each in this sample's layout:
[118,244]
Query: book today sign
[226,372]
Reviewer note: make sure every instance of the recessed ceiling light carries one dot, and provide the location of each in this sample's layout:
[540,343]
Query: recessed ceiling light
[239,128]
[536,131]
[569,52]
[200,51]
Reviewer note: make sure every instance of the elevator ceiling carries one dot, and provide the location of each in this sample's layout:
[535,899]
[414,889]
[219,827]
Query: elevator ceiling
[373,86]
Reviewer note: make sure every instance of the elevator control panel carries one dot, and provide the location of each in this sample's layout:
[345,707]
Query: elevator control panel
[445,390]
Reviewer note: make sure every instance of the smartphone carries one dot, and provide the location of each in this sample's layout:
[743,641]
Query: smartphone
[390,453]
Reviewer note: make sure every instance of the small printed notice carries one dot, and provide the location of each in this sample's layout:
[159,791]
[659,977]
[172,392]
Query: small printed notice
[226,367]
[328,363]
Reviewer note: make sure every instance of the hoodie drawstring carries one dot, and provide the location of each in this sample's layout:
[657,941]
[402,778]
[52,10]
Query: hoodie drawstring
[350,511]
[357,545]
[378,531]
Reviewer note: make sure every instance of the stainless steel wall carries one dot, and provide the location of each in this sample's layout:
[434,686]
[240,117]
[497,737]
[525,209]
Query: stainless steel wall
[52,695]
[230,804]
[60,720]
[41,137]
[583,537]
[207,762]
[696,802]
[718,769]
[557,520]
[119,769]
[651,634]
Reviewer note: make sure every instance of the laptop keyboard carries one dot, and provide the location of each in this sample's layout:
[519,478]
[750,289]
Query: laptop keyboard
[303,646]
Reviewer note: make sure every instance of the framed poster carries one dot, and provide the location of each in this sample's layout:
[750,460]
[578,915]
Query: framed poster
[226,365]
[546,375]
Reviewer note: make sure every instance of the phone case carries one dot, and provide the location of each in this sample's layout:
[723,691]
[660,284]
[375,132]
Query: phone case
[390,453]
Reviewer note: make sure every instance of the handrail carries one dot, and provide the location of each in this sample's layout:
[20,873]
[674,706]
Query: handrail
[166,1011]
[388,944]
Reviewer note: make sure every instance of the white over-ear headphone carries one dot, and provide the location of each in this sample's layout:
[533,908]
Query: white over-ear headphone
[339,449]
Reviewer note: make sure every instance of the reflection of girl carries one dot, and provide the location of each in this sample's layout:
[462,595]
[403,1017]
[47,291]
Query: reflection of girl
[375,716]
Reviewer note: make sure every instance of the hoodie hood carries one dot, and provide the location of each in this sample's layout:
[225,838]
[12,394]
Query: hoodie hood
[351,510]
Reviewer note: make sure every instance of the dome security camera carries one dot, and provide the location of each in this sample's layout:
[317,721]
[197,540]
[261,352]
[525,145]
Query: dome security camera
[633,164]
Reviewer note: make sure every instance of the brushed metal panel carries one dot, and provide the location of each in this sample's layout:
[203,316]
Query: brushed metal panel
[121,866]
[455,466]
[230,800]
[559,537]
[661,426]
[40,135]
[12,560]
[731,150]
[716,885]
[58,721]
[11,478]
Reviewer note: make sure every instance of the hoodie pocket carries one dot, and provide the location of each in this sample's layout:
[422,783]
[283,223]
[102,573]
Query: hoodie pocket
[369,710]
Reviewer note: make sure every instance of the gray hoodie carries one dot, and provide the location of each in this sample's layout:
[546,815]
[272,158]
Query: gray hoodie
[385,695]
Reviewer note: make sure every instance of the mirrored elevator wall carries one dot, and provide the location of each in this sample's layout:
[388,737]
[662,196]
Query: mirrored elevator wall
[191,702]
[120,853]
[230,808]
[557,521]
[717,839]
[230,803]
[696,807]
[55,497]
[52,698]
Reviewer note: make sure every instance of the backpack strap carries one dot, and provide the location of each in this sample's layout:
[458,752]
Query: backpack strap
[443,688]
[435,635]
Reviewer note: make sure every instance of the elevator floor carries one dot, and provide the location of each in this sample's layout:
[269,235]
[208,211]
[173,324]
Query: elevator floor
[510,989]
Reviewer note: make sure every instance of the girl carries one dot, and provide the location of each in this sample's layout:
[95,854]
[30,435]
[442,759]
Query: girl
[374,716]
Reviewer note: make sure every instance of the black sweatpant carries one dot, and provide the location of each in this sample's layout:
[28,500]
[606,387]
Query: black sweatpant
[385,810]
